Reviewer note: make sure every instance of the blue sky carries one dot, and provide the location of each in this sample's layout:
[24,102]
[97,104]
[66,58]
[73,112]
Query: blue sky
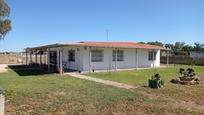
[39,22]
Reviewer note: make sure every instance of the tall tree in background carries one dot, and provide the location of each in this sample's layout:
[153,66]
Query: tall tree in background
[179,45]
[170,46]
[198,46]
[5,23]
[187,48]
[142,42]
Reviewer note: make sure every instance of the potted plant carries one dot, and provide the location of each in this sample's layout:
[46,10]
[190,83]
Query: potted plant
[156,81]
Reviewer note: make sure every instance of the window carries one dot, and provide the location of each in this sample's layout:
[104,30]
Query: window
[120,56]
[71,55]
[96,55]
[151,55]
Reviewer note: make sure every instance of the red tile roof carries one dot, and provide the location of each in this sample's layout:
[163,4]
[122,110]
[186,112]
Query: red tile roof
[104,44]
[117,45]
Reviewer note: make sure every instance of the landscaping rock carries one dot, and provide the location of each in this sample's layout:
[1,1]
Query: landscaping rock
[187,80]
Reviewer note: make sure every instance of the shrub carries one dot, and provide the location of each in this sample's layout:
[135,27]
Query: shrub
[187,73]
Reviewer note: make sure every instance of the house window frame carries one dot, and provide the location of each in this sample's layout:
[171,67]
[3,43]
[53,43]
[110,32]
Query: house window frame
[71,55]
[120,55]
[97,55]
[152,55]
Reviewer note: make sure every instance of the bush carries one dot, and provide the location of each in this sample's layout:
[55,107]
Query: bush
[187,73]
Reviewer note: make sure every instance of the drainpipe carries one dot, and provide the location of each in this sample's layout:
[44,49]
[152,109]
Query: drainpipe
[89,59]
[136,59]
[116,58]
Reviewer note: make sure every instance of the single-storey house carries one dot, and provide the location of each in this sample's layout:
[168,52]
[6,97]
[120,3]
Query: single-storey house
[93,56]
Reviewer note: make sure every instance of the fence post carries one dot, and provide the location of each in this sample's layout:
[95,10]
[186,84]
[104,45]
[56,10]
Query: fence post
[2,101]
[167,57]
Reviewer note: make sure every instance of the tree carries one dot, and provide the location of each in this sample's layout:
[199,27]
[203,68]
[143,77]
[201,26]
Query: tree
[155,43]
[5,23]
[142,42]
[187,48]
[179,45]
[198,46]
[170,46]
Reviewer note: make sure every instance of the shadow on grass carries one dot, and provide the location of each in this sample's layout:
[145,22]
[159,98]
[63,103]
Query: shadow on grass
[24,70]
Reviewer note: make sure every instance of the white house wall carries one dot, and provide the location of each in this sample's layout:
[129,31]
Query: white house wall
[143,60]
[83,63]
[129,59]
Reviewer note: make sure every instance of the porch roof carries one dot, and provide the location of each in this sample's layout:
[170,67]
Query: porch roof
[101,44]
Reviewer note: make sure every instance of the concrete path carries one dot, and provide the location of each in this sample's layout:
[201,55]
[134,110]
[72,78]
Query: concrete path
[106,82]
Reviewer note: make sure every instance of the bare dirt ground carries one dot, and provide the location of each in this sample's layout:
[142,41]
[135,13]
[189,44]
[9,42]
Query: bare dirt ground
[3,68]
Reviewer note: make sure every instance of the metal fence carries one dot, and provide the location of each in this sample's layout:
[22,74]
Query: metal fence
[182,60]
[11,58]
[19,59]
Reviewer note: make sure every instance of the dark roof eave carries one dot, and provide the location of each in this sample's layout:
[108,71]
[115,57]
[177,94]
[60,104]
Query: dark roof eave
[44,47]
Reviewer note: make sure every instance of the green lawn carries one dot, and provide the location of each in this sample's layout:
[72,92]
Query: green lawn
[179,96]
[140,77]
[36,92]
